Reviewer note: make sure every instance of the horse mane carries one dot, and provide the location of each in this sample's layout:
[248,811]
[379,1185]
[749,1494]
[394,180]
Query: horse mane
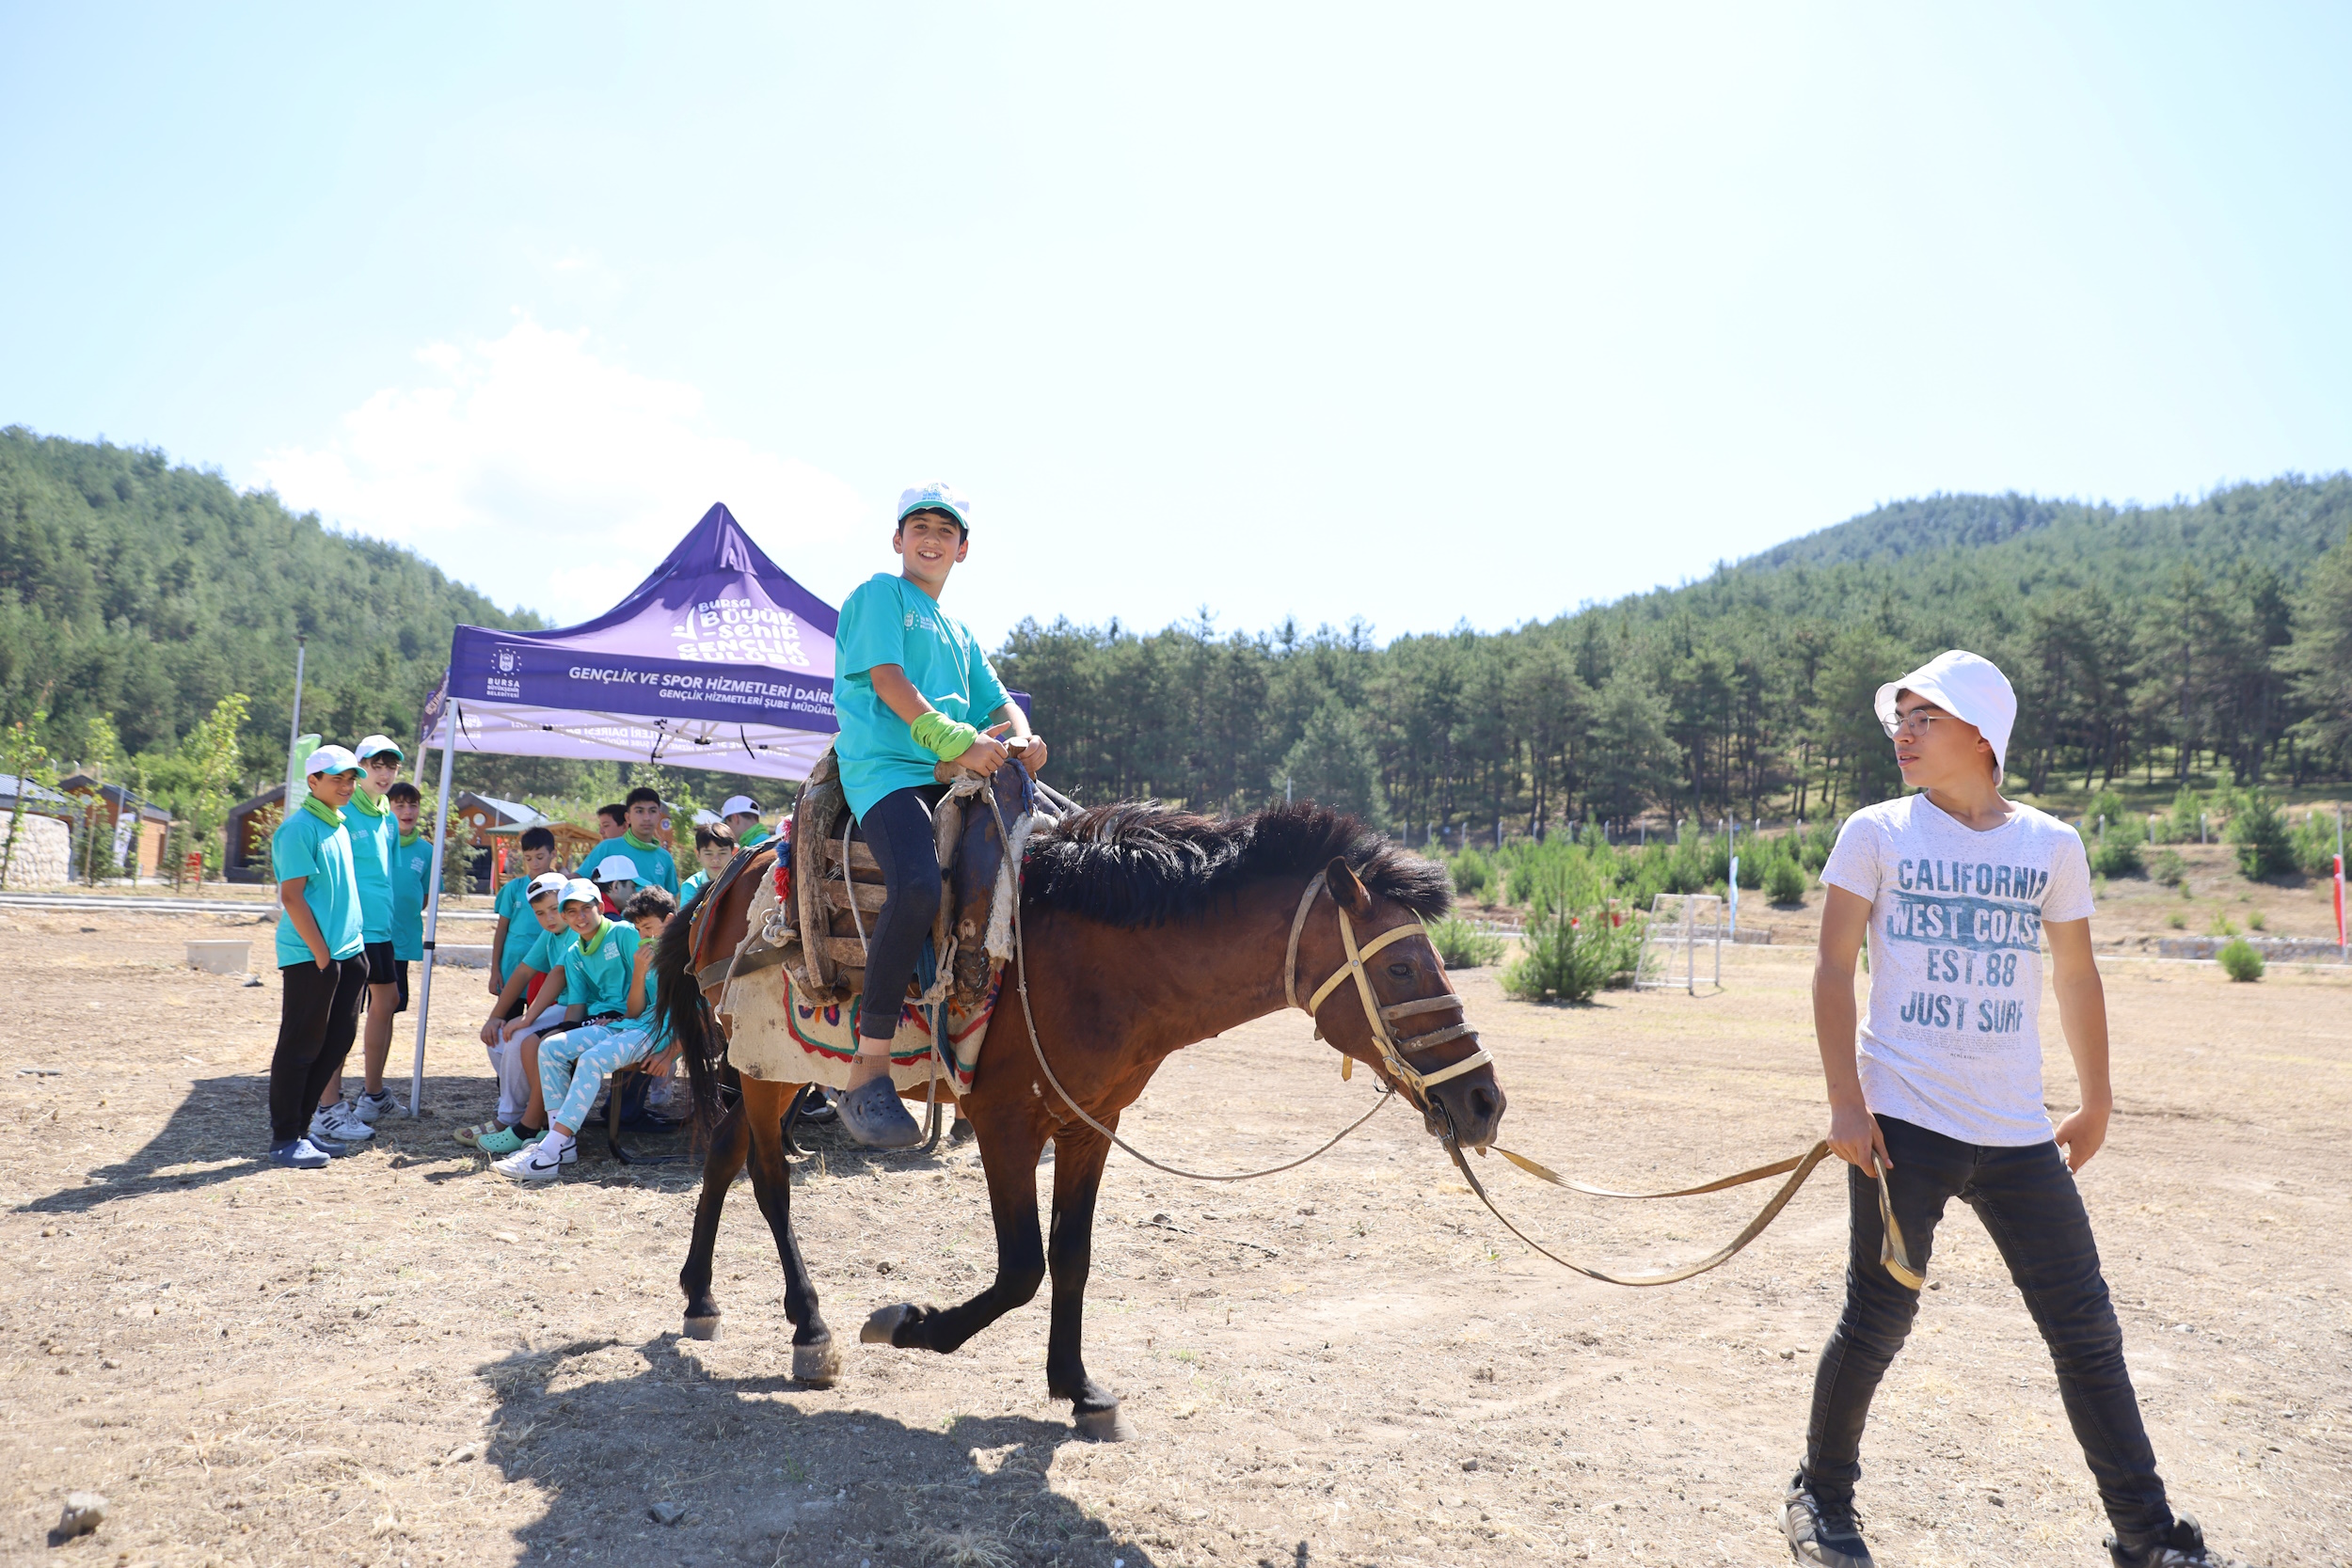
[1141,863]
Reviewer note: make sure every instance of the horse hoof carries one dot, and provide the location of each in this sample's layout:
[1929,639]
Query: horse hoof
[702,1328]
[1103,1426]
[818,1363]
[884,1323]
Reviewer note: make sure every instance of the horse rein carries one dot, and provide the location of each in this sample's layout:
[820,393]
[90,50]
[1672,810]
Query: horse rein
[1415,1083]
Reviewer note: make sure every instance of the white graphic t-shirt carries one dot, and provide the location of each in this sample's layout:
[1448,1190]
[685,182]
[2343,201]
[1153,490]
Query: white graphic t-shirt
[1952,1040]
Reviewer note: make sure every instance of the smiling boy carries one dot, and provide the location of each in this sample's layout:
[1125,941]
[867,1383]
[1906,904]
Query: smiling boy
[1938,1094]
[909,681]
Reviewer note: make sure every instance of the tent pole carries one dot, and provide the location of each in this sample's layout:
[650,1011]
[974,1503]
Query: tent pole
[432,902]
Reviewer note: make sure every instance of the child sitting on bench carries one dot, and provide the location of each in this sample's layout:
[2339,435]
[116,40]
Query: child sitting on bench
[574,1064]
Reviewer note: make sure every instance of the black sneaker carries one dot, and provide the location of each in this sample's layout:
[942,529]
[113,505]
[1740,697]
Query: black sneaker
[2182,1546]
[1824,1530]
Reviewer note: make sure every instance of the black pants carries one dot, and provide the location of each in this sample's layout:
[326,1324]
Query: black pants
[318,1013]
[898,830]
[2028,1200]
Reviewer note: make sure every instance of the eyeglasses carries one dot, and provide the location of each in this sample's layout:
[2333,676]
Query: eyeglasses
[1919,720]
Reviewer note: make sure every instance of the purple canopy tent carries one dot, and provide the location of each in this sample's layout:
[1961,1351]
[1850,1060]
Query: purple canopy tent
[719,659]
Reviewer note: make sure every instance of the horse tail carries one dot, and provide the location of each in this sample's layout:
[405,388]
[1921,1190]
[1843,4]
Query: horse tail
[681,1008]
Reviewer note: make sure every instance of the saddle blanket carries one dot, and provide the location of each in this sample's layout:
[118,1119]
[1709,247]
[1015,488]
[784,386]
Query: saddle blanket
[775,1036]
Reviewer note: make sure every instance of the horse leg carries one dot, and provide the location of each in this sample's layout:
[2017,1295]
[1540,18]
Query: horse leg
[1078,1156]
[1009,1152]
[813,1358]
[728,1145]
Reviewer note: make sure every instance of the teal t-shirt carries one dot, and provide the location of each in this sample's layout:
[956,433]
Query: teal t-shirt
[656,866]
[692,886]
[412,875]
[539,956]
[372,841]
[598,981]
[513,905]
[319,852]
[889,620]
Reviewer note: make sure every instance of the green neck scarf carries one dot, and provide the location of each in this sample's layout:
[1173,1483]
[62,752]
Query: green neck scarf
[757,835]
[589,944]
[635,843]
[324,811]
[411,839]
[367,804]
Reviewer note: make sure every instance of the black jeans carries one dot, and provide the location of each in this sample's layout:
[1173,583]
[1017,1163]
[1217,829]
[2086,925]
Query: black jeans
[2028,1200]
[898,830]
[318,1013]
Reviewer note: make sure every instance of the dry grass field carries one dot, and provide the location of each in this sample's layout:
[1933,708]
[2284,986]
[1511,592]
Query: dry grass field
[404,1361]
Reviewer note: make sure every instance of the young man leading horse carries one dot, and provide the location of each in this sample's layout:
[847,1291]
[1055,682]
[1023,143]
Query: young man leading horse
[1937,1093]
[908,680]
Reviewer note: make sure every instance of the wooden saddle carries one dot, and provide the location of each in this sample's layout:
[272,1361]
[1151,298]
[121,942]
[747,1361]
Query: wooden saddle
[836,886]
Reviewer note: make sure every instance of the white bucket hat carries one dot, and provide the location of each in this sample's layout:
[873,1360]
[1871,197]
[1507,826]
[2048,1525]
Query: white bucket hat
[1966,686]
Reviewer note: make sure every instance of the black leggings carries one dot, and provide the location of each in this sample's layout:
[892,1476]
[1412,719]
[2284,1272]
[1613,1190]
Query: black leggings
[318,1013]
[898,830]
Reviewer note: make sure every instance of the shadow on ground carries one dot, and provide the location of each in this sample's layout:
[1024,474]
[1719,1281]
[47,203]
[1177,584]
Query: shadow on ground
[219,1131]
[644,1458]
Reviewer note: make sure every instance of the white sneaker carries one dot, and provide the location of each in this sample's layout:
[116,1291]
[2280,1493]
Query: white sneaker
[531,1163]
[368,1107]
[337,1122]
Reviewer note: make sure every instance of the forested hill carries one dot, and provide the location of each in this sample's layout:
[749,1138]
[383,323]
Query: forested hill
[148,591]
[2213,636]
[2282,523]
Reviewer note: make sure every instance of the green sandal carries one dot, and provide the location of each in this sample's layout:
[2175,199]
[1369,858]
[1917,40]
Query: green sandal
[506,1140]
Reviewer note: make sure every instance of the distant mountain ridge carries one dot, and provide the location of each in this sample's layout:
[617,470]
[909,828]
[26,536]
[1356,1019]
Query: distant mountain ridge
[2282,523]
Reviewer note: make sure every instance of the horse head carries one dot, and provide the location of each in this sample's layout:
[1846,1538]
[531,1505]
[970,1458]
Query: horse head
[1407,1023]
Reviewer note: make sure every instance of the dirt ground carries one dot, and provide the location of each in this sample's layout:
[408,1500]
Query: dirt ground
[403,1360]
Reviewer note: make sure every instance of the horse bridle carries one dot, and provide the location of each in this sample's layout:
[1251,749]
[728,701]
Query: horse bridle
[1415,1082]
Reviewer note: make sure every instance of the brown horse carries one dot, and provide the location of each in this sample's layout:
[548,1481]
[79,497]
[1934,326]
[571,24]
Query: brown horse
[1146,930]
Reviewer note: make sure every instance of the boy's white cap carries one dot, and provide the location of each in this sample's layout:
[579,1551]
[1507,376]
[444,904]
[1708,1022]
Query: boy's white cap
[1966,686]
[329,759]
[545,883]
[579,890]
[740,805]
[376,745]
[946,498]
[615,868]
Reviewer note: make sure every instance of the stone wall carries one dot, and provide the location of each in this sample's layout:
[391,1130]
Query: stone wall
[44,858]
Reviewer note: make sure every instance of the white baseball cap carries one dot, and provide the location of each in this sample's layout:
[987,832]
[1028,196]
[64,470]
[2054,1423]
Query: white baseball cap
[329,759]
[740,805]
[615,868]
[1968,687]
[376,745]
[945,498]
[545,883]
[579,890]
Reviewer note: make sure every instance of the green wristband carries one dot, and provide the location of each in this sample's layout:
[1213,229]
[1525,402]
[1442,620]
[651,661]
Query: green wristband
[944,737]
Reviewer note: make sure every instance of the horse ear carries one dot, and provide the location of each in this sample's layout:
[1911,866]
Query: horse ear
[1345,889]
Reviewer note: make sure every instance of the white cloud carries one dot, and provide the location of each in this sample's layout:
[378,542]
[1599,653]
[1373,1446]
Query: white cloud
[548,477]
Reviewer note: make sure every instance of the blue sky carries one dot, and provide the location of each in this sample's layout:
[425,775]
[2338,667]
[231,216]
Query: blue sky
[1420,314]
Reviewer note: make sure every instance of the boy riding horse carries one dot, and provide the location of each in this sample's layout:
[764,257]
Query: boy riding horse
[909,678]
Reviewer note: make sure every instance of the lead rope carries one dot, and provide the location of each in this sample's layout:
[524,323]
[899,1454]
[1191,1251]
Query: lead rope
[1021,976]
[1894,1255]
